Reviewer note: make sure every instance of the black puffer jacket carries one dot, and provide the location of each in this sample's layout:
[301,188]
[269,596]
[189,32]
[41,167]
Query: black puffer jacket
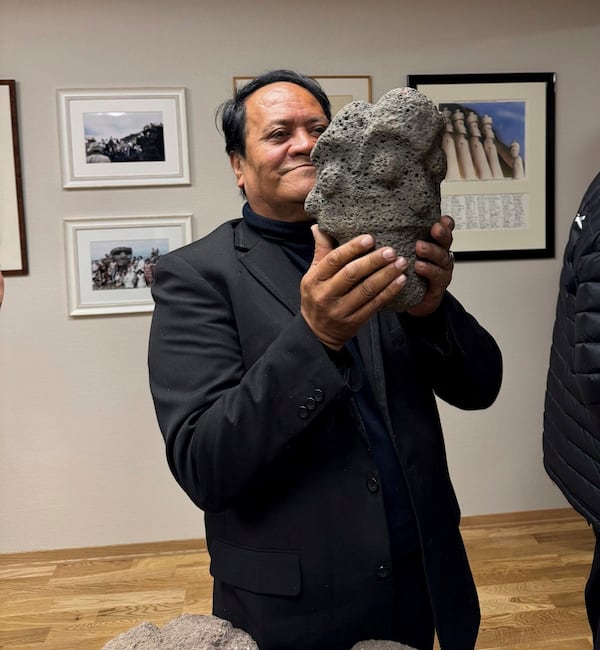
[572,407]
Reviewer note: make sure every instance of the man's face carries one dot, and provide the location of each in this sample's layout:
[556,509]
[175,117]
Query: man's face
[283,122]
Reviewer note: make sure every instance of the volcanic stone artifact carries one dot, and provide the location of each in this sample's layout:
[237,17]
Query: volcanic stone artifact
[379,169]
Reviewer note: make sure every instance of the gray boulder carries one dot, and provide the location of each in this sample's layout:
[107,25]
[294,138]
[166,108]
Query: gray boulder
[381,645]
[205,632]
[186,632]
[379,169]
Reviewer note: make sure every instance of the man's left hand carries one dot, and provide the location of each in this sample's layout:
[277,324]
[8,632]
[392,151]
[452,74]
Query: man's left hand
[435,264]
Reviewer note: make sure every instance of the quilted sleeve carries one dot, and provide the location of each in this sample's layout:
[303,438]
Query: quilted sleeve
[587,325]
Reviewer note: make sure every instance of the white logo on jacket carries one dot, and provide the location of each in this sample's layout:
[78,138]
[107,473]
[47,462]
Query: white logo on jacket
[579,220]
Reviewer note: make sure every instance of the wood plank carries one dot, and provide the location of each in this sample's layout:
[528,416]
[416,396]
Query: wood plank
[530,569]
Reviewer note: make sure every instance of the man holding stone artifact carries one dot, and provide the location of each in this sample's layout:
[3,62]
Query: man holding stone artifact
[299,412]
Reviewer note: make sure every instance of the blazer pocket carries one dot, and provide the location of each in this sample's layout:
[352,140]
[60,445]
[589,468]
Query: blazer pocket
[267,572]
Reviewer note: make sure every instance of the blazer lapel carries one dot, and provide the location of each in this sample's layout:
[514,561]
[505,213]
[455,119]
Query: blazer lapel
[269,265]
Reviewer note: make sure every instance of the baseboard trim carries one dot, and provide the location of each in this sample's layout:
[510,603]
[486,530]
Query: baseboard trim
[181,546]
[170,547]
[520,518]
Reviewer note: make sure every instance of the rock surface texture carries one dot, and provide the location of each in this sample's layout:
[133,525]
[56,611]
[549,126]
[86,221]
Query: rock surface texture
[204,632]
[381,645]
[379,169]
[187,632]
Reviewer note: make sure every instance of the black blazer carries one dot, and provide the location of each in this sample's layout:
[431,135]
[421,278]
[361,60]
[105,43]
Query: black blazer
[260,433]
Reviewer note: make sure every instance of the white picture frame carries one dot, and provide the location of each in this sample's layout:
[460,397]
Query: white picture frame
[100,252]
[140,132]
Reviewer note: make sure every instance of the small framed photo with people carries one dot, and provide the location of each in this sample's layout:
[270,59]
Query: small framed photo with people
[110,261]
[123,137]
[499,146]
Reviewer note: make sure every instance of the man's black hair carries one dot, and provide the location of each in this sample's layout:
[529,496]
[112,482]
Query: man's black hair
[233,111]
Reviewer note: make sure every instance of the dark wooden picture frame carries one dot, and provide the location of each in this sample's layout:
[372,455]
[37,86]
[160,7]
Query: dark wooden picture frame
[13,246]
[500,148]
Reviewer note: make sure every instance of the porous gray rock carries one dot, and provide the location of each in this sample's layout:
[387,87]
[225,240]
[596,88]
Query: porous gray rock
[186,632]
[381,645]
[379,169]
[206,632]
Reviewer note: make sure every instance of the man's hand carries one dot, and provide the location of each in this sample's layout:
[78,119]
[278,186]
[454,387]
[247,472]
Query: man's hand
[435,264]
[346,285]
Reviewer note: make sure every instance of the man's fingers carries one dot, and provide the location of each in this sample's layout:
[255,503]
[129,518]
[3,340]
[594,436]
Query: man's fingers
[352,270]
[447,221]
[323,244]
[338,257]
[377,288]
[347,284]
[442,231]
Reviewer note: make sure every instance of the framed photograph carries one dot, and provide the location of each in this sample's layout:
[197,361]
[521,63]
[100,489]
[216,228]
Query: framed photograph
[340,90]
[13,248]
[499,145]
[123,137]
[110,262]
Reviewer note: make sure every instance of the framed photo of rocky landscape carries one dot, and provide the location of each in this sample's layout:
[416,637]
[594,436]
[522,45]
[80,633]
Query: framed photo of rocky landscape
[123,137]
[110,261]
[499,146]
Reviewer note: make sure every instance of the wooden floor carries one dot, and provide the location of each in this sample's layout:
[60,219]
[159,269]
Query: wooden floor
[530,570]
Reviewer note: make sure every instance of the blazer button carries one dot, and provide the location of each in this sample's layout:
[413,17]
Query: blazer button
[372,484]
[318,395]
[311,403]
[303,412]
[383,571]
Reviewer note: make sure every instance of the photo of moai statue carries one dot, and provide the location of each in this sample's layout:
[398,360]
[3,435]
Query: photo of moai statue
[478,156]
[449,147]
[463,150]
[489,145]
[517,166]
[485,141]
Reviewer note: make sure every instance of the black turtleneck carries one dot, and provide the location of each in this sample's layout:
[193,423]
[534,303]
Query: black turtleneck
[294,237]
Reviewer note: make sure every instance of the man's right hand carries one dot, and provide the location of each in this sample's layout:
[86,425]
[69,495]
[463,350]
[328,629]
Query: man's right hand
[345,286]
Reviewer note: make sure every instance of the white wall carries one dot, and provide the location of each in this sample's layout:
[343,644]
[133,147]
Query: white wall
[81,457]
